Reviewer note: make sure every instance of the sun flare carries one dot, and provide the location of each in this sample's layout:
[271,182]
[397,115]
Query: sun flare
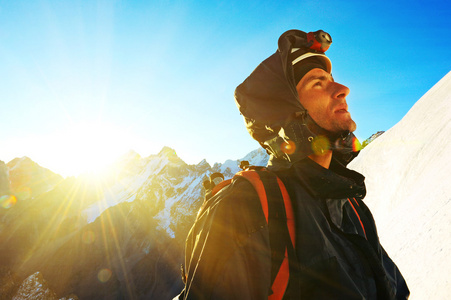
[86,147]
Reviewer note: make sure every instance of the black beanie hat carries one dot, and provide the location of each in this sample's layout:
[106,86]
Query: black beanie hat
[304,66]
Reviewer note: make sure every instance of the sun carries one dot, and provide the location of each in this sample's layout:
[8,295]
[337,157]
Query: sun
[86,147]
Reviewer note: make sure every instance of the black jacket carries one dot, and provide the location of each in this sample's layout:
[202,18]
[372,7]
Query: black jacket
[338,251]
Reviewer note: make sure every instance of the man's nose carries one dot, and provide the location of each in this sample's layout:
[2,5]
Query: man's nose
[341,91]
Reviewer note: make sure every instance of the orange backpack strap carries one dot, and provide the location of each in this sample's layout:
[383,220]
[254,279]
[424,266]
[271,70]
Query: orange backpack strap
[278,211]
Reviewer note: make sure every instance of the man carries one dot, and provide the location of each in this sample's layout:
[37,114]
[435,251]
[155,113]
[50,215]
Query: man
[293,107]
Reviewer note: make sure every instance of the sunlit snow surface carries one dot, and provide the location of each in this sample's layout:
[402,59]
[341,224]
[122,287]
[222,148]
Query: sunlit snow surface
[407,172]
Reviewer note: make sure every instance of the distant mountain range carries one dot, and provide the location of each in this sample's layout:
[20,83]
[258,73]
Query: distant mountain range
[120,236]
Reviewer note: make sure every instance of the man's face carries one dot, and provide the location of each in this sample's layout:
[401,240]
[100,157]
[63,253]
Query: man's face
[325,101]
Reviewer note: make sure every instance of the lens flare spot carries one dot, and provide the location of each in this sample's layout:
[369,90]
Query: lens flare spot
[288,147]
[8,201]
[104,275]
[356,146]
[320,145]
[88,237]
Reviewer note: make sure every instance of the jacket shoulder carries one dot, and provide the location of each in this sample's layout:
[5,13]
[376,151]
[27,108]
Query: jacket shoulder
[218,245]
[236,206]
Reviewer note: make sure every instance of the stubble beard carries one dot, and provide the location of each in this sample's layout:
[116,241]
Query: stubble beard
[343,126]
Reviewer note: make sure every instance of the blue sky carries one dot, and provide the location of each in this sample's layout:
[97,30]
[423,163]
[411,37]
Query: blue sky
[82,82]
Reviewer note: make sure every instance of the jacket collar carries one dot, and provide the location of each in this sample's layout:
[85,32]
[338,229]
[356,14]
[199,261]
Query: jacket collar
[337,182]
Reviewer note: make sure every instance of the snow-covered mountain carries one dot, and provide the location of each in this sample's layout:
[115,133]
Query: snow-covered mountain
[409,192]
[130,224]
[166,180]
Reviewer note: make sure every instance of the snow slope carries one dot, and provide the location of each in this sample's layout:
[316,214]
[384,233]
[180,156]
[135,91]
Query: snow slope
[409,192]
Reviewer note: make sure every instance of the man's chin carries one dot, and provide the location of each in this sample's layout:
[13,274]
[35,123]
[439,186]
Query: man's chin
[349,126]
[352,127]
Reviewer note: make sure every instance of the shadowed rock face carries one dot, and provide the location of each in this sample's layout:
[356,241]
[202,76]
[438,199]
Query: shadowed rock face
[9,283]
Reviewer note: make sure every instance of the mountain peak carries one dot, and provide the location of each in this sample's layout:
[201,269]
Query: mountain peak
[166,149]
[131,154]
[168,152]
[20,160]
[203,164]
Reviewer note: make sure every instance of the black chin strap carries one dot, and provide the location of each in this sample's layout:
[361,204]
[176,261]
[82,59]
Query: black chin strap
[302,136]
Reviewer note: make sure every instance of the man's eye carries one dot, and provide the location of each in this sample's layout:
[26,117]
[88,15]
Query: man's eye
[318,83]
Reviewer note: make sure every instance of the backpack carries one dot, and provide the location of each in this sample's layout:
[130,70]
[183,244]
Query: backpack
[277,209]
